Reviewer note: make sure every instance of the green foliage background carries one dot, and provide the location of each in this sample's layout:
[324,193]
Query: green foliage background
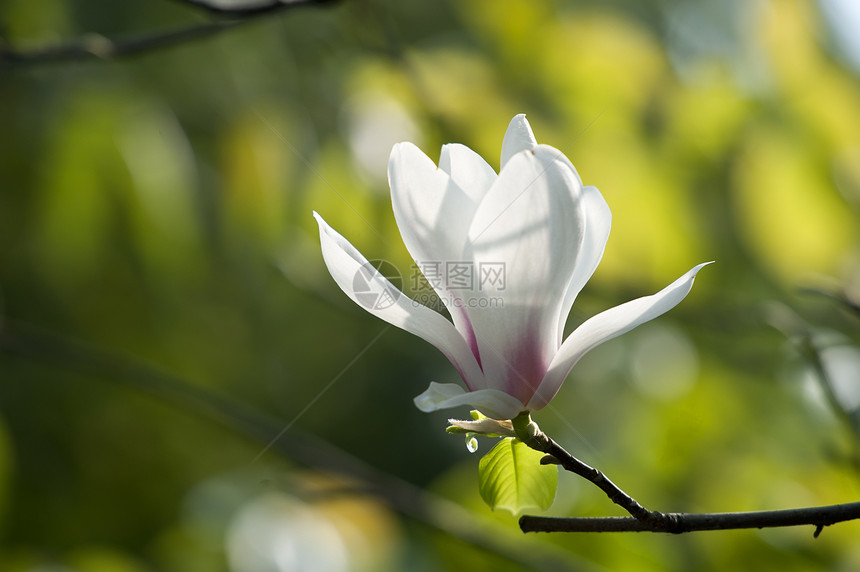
[157,208]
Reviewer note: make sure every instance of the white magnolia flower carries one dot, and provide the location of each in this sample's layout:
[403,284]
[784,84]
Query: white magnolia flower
[536,223]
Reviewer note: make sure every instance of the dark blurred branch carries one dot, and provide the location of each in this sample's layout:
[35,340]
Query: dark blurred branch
[301,447]
[651,520]
[841,296]
[246,10]
[819,517]
[810,348]
[95,46]
[807,348]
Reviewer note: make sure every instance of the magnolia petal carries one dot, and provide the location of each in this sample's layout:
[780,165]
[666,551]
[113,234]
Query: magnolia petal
[467,169]
[433,214]
[605,326]
[563,158]
[598,222]
[344,263]
[532,222]
[491,402]
[518,138]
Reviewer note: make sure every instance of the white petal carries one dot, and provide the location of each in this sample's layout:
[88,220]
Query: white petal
[345,264]
[607,325]
[561,157]
[434,214]
[598,222]
[531,221]
[467,169]
[518,138]
[492,403]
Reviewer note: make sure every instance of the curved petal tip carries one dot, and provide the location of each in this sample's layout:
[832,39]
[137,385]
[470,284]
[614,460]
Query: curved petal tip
[606,326]
[519,137]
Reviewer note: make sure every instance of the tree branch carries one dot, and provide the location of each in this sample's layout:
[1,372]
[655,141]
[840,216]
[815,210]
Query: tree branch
[654,521]
[819,517]
[96,46]
[528,432]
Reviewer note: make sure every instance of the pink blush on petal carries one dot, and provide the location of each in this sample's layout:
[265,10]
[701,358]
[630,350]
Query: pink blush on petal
[526,367]
[470,337]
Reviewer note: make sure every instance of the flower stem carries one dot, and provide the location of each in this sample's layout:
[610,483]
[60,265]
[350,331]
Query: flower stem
[530,434]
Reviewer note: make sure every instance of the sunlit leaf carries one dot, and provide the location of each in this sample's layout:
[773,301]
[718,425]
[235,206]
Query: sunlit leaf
[511,477]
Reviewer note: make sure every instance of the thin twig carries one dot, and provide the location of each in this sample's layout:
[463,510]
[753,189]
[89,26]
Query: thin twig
[654,521]
[96,46]
[819,517]
[531,435]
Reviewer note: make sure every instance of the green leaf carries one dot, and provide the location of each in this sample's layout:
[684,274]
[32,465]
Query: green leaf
[511,477]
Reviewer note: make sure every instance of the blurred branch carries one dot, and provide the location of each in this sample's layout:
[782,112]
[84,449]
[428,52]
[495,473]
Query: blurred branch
[644,519]
[96,46]
[841,296]
[246,10]
[802,336]
[807,348]
[301,447]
